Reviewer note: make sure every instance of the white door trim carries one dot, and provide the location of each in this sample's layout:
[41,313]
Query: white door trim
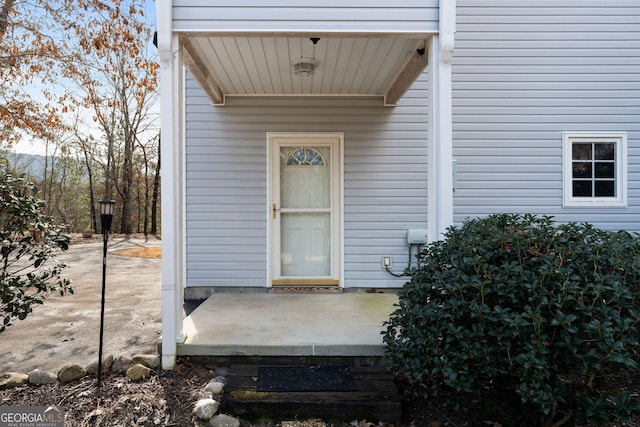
[274,140]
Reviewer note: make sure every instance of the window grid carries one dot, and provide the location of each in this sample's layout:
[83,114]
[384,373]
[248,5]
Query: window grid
[594,169]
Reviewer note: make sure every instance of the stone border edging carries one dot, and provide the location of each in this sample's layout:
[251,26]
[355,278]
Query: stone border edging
[136,368]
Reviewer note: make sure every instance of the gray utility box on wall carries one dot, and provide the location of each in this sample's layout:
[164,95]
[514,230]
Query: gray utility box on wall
[417,236]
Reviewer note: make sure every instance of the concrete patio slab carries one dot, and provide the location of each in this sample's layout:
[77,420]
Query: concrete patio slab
[230,324]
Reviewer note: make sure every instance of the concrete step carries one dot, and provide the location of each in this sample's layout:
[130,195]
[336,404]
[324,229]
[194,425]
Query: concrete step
[375,398]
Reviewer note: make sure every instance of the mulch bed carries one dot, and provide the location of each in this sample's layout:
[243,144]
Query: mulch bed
[167,399]
[161,400]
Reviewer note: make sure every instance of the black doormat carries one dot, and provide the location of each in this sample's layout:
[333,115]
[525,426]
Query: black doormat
[305,378]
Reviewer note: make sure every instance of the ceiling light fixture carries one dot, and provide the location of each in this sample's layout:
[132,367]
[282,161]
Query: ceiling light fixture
[305,66]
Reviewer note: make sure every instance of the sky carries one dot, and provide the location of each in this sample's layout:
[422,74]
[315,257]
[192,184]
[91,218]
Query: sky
[33,146]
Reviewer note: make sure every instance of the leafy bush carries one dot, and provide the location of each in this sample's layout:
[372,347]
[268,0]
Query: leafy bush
[28,240]
[512,305]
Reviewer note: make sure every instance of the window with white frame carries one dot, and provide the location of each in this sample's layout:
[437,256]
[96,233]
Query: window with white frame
[595,169]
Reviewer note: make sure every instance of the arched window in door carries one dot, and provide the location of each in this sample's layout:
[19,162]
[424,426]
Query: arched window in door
[305,156]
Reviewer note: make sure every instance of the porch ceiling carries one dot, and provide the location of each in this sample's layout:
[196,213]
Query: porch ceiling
[351,65]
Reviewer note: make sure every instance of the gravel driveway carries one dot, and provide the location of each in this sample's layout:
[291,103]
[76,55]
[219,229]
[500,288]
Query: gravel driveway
[67,329]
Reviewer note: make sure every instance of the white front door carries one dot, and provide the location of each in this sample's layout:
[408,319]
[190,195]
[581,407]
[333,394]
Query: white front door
[304,208]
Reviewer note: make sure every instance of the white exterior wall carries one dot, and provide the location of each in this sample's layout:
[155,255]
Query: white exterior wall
[524,72]
[385,174]
[419,16]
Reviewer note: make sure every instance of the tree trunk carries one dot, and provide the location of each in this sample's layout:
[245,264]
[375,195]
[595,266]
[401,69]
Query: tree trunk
[4,16]
[145,204]
[126,184]
[155,195]
[92,202]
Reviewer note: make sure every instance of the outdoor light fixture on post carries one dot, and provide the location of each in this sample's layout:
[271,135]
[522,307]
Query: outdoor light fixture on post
[106,215]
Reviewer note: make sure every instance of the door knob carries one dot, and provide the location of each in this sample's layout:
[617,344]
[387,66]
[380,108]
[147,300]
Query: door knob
[274,211]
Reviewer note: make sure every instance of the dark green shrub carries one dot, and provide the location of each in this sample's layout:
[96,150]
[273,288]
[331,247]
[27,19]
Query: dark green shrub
[514,306]
[28,241]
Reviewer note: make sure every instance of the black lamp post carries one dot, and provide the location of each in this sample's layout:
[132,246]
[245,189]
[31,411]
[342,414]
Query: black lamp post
[106,215]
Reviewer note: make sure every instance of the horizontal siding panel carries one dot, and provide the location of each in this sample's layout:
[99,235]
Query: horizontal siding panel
[227,258]
[543,104]
[579,10]
[222,216]
[306,15]
[502,200]
[603,124]
[481,171]
[384,168]
[342,114]
[577,79]
[383,192]
[480,60]
[534,45]
[365,203]
[385,182]
[398,226]
[535,85]
[256,224]
[625,36]
[360,236]
[523,74]
[544,136]
[203,241]
[205,197]
[535,51]
[306,3]
[524,119]
[374,242]
[544,27]
[470,113]
[203,186]
[386,129]
[298,16]
[239,234]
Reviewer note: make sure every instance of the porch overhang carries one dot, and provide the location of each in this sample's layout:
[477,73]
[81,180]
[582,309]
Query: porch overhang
[229,61]
[241,64]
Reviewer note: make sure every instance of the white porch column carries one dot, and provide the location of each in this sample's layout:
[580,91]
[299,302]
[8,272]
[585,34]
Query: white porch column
[171,83]
[440,212]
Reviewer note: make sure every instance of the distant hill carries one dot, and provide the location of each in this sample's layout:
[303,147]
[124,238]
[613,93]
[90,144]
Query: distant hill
[31,164]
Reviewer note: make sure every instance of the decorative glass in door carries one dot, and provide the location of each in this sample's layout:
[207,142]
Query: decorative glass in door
[305,211]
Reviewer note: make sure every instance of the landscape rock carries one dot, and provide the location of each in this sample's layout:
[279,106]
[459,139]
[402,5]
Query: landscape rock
[71,372]
[206,408]
[39,377]
[149,360]
[214,387]
[222,420]
[138,372]
[203,372]
[92,368]
[121,364]
[12,379]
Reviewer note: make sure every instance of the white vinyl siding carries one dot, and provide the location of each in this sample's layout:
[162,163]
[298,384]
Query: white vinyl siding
[408,16]
[525,72]
[385,182]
